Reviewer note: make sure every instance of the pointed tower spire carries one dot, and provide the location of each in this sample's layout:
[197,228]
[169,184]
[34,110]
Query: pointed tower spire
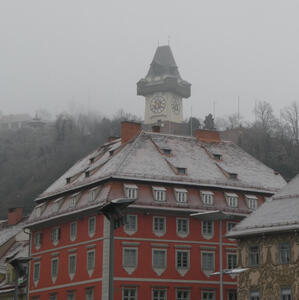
[163,89]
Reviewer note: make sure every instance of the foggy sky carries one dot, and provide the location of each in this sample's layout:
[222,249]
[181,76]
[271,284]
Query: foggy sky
[70,54]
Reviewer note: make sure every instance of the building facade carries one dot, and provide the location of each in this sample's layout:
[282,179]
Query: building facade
[166,249]
[269,248]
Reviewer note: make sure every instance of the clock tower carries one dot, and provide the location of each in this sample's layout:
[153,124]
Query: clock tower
[163,89]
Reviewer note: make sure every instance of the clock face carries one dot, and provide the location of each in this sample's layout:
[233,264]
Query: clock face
[158,104]
[176,105]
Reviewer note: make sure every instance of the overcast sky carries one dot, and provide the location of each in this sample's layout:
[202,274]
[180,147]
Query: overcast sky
[70,54]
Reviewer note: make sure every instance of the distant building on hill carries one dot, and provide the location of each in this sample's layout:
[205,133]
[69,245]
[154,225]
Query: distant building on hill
[188,192]
[269,248]
[17,121]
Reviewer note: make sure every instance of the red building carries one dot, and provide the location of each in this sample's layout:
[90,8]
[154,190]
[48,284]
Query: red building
[166,249]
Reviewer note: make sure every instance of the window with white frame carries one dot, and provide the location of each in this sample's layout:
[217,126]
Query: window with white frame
[286,294]
[55,235]
[181,195]
[159,294]
[182,259]
[284,253]
[56,205]
[254,256]
[71,295]
[159,225]
[73,200]
[90,261]
[207,198]
[72,265]
[159,258]
[182,294]
[38,239]
[252,201]
[232,295]
[231,260]
[54,268]
[208,295]
[131,191]
[159,194]
[130,224]
[73,231]
[89,293]
[208,261]
[182,227]
[92,195]
[129,294]
[91,226]
[207,228]
[231,199]
[130,257]
[36,271]
[254,295]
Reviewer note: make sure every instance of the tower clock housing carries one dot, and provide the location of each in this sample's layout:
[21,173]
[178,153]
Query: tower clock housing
[163,89]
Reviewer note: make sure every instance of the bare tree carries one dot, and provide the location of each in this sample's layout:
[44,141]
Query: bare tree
[264,115]
[290,115]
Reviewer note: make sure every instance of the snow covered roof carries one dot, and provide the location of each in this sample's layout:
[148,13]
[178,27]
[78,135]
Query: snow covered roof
[281,213]
[141,159]
[8,232]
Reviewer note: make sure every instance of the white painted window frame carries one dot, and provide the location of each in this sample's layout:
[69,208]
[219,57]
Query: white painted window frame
[129,297]
[207,271]
[228,259]
[72,274]
[158,232]
[207,198]
[181,269]
[36,273]
[159,193]
[92,231]
[179,232]
[207,235]
[181,196]
[188,293]
[92,194]
[127,228]
[73,237]
[252,201]
[211,292]
[90,269]
[55,237]
[232,200]
[131,191]
[37,240]
[54,275]
[129,268]
[159,297]
[159,269]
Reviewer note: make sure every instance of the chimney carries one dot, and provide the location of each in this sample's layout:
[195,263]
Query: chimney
[129,130]
[207,135]
[14,215]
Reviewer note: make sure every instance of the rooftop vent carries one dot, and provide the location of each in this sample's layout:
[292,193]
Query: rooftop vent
[181,171]
[217,156]
[233,175]
[91,160]
[166,151]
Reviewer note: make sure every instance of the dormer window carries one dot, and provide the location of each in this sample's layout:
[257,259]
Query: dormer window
[166,151]
[39,210]
[159,194]
[233,175]
[181,171]
[73,200]
[131,191]
[181,195]
[217,156]
[87,173]
[92,195]
[252,201]
[111,152]
[91,160]
[231,199]
[56,205]
[207,198]
[68,180]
